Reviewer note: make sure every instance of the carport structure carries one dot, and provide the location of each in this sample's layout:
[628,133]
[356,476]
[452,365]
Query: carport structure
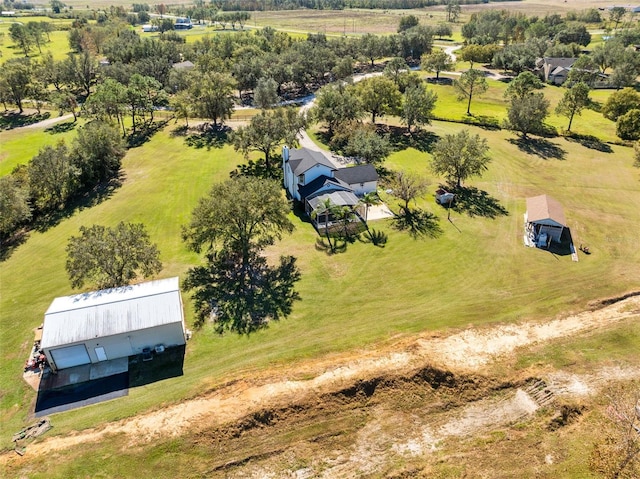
[544,221]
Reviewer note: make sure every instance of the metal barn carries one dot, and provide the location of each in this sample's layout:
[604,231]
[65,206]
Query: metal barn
[113,323]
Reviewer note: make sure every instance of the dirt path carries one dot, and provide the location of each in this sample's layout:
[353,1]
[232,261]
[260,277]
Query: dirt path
[49,122]
[466,351]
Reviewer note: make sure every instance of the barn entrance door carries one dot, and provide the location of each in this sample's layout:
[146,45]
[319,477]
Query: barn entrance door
[102,356]
[70,356]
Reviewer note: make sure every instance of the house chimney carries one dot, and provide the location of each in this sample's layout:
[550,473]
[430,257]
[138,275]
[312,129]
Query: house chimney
[285,153]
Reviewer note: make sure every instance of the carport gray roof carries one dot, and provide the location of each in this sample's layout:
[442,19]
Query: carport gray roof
[338,198]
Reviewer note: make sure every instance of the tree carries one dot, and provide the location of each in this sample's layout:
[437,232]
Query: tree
[418,105]
[607,54]
[395,68]
[517,58]
[368,200]
[22,37]
[366,144]
[97,151]
[574,100]
[336,105]
[182,105]
[583,70]
[407,22]
[616,14]
[212,94]
[37,30]
[144,94]
[15,80]
[620,102]
[379,96]
[371,47]
[453,10]
[526,114]
[524,84]
[111,257]
[442,30]
[242,214]
[56,6]
[53,178]
[408,186]
[478,53]
[472,82]
[14,205]
[436,62]
[628,125]
[80,70]
[265,94]
[109,102]
[66,102]
[325,208]
[460,156]
[267,131]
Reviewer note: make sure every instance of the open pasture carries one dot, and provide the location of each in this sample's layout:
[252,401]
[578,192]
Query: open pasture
[475,272]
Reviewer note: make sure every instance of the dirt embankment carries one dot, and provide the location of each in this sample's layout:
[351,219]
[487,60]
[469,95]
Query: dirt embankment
[439,374]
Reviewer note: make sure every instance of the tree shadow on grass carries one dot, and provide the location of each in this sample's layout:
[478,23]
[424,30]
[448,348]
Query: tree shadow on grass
[336,246]
[181,130]
[476,202]
[418,223]
[61,127]
[589,141]
[400,139]
[140,137]
[88,199]
[9,244]
[42,222]
[375,237]
[539,147]
[215,137]
[258,169]
[10,120]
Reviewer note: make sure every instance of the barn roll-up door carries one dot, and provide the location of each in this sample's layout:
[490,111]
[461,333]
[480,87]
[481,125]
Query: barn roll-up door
[70,356]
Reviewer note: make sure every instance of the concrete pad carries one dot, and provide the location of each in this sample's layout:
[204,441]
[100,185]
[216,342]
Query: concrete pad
[109,368]
[379,212]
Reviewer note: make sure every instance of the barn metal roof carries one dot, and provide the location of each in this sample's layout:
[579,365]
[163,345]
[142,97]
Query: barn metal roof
[72,319]
[545,210]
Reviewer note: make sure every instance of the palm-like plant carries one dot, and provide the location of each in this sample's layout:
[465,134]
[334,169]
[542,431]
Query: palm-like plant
[369,199]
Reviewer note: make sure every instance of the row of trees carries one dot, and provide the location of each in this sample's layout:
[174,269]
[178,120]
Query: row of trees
[59,173]
[46,80]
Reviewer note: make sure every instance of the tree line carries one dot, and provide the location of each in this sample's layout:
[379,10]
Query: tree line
[58,174]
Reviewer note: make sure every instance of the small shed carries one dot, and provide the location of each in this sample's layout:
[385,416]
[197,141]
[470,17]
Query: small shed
[544,218]
[113,323]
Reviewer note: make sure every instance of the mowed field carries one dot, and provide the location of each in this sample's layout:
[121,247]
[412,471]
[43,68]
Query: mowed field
[476,272]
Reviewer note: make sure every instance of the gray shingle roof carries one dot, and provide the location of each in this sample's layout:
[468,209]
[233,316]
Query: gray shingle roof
[357,174]
[309,189]
[303,159]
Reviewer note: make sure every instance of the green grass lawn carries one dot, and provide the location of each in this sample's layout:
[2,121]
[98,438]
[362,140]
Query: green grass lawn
[58,46]
[476,272]
[18,146]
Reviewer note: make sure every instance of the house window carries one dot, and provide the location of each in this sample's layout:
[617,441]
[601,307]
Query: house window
[301,179]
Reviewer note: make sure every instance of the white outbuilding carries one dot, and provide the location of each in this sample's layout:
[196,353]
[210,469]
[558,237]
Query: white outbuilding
[113,323]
